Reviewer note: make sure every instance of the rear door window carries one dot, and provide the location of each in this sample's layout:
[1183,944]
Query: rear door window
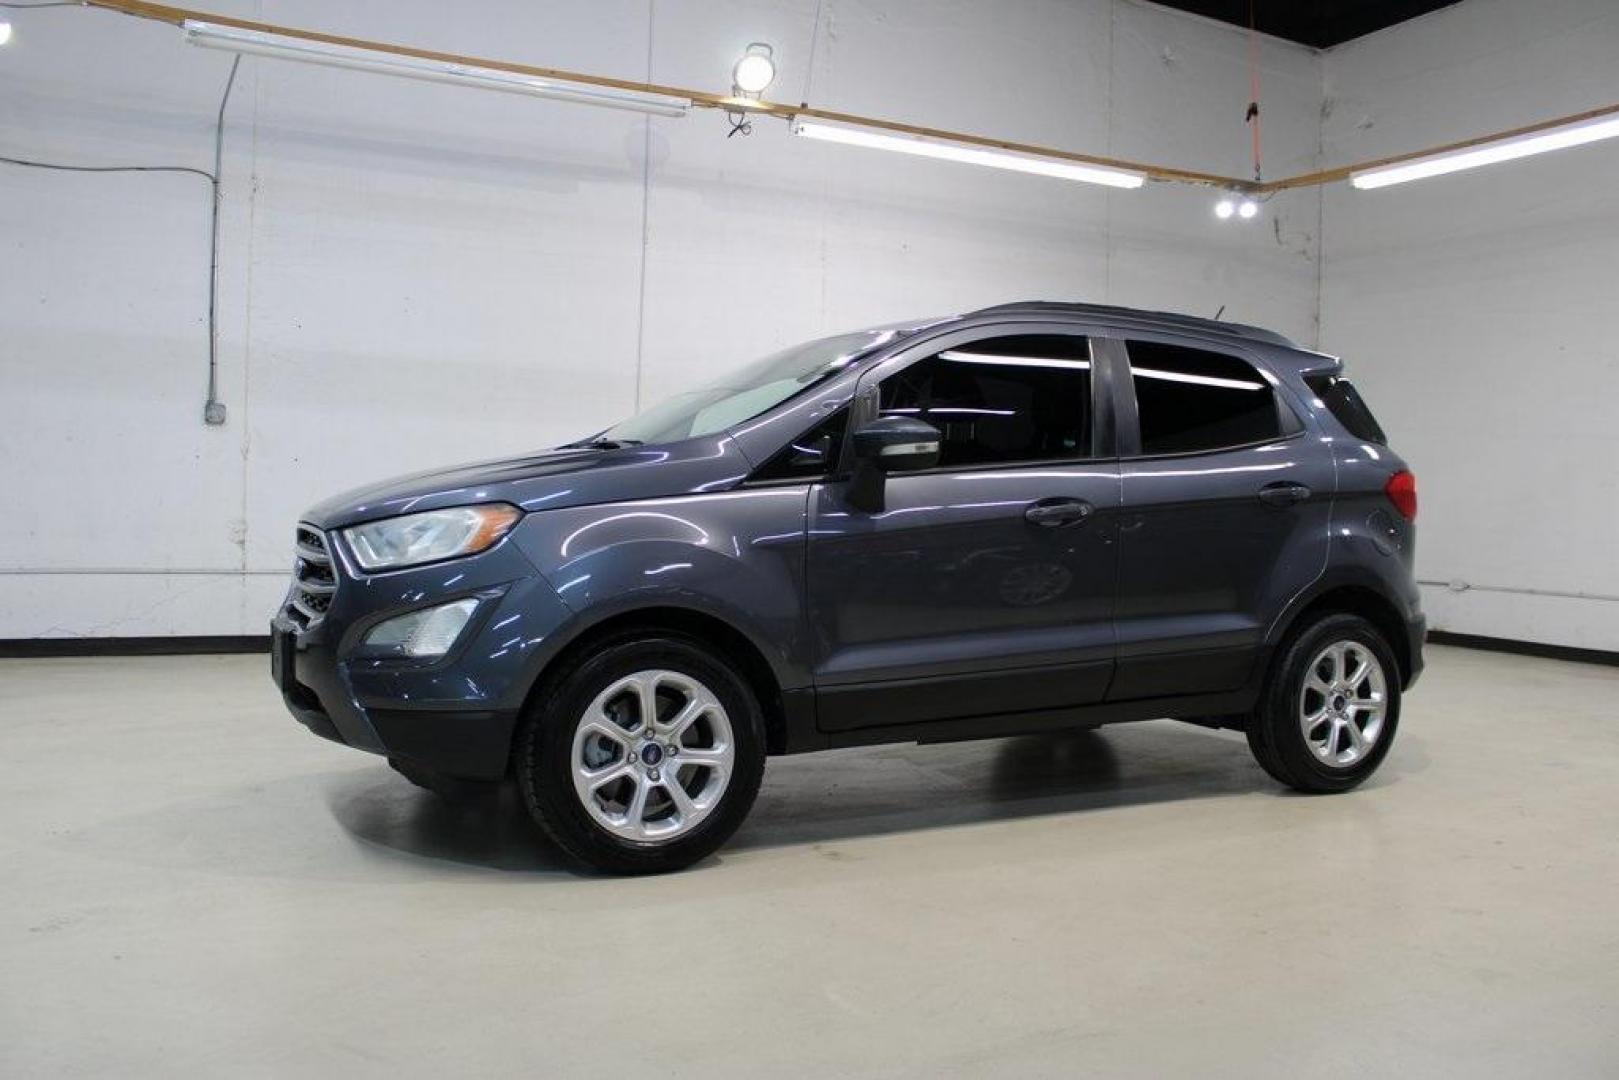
[1191,400]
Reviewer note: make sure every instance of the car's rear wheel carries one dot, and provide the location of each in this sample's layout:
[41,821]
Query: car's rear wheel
[1329,714]
[644,756]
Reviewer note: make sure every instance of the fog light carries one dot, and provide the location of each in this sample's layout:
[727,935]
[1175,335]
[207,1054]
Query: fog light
[425,633]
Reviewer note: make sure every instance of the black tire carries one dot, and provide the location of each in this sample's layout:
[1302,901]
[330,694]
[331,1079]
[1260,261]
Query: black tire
[452,789]
[1275,734]
[544,766]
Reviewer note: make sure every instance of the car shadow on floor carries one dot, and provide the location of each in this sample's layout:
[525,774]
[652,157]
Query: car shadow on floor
[843,794]
[847,794]
[381,808]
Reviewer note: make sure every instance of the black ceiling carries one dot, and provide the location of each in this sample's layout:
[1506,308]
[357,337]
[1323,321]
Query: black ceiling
[1320,23]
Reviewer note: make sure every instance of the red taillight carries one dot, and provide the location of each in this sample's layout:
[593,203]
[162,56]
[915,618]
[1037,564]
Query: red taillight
[1402,492]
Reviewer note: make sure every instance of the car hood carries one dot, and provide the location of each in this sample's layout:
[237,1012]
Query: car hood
[545,479]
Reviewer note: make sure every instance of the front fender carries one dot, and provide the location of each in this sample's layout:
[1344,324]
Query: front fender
[737,556]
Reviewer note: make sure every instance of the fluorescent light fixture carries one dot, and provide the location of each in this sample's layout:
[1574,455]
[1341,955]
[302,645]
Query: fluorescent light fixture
[5,31]
[1195,380]
[1587,131]
[923,146]
[951,410]
[285,47]
[1014,361]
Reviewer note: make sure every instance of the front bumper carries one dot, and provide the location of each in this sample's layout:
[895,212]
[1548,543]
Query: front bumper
[454,715]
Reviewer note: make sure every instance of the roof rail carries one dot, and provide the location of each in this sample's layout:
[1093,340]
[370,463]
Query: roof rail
[1163,319]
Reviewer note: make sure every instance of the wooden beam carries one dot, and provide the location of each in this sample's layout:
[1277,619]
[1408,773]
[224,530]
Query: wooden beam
[1343,172]
[699,98]
[726,103]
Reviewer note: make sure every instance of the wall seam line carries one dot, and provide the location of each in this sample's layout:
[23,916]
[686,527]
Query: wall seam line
[1107,197]
[646,200]
[1320,193]
[247,327]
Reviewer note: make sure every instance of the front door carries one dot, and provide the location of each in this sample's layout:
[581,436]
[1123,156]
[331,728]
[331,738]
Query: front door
[1227,505]
[985,585]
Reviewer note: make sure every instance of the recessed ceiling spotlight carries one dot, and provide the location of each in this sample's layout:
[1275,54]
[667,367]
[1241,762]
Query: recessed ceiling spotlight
[1224,209]
[1247,209]
[754,71]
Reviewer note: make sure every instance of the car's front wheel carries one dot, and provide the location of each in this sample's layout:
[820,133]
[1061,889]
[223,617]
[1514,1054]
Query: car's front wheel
[1328,716]
[644,756]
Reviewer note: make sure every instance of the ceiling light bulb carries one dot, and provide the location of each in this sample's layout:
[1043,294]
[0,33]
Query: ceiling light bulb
[5,31]
[1248,209]
[1224,209]
[755,71]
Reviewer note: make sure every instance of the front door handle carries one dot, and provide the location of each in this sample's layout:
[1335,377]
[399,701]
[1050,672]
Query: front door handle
[1283,493]
[1054,513]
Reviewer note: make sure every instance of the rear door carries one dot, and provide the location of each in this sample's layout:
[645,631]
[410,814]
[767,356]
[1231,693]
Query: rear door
[985,585]
[1226,509]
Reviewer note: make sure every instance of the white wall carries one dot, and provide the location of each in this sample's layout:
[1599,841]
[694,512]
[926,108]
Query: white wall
[1477,310]
[415,274]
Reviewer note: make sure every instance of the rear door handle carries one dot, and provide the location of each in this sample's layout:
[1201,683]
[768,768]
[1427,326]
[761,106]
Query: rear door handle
[1283,493]
[1054,513]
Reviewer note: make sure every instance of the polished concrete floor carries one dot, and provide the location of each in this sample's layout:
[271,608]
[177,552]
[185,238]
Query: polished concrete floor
[192,885]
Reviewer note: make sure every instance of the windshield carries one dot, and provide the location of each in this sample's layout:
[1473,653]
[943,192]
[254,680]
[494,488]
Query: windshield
[746,392]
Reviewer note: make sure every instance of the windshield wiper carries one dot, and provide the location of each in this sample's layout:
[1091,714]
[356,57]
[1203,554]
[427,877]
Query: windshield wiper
[598,442]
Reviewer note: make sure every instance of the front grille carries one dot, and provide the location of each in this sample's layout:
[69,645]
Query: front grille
[313,581]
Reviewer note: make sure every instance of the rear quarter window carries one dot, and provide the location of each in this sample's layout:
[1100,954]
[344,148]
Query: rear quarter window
[1194,400]
[1347,407]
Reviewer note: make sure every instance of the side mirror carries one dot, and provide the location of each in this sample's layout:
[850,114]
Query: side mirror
[890,444]
[898,444]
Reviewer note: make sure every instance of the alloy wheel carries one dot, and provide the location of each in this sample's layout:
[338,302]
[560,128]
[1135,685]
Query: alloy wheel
[652,756]
[1342,703]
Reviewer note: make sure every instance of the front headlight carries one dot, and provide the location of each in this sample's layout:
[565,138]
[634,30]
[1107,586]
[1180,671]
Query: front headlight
[431,536]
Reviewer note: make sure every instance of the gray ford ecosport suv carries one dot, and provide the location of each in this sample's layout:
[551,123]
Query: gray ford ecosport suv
[1030,517]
